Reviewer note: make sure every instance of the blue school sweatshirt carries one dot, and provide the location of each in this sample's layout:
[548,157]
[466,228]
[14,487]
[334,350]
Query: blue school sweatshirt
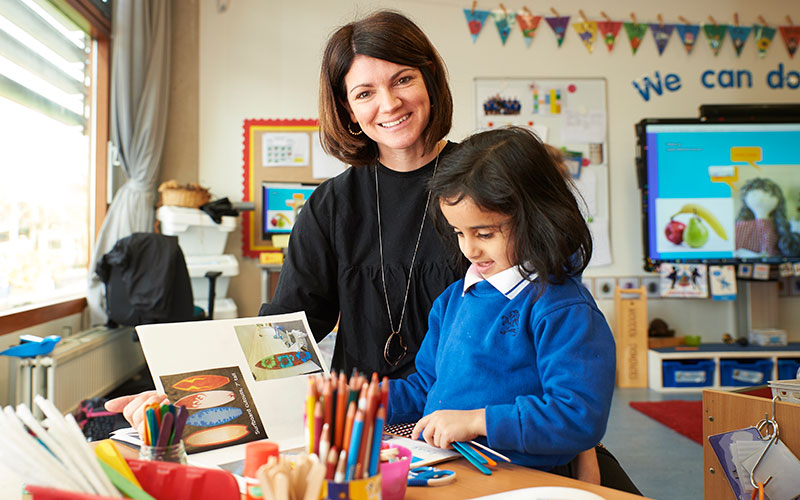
[542,368]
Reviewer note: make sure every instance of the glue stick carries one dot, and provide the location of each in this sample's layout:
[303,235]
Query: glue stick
[256,454]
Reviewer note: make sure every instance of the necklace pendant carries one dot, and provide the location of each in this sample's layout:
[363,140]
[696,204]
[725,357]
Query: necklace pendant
[395,349]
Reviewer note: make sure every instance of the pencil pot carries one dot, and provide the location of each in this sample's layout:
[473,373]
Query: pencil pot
[395,474]
[357,489]
[173,453]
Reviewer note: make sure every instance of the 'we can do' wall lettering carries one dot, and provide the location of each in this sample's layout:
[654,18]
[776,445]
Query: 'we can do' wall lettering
[779,78]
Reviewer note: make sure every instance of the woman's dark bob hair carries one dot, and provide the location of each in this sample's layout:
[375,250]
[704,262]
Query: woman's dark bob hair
[392,37]
[509,171]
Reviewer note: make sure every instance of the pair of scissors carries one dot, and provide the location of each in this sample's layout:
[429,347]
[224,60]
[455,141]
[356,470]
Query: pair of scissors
[430,476]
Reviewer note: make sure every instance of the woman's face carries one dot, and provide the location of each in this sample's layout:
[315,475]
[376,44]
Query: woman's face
[390,103]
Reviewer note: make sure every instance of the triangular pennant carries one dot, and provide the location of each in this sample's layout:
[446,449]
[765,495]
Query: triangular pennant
[763,36]
[791,37]
[635,33]
[559,27]
[475,20]
[528,23]
[688,34]
[739,36]
[661,34]
[609,30]
[587,31]
[715,34]
[504,23]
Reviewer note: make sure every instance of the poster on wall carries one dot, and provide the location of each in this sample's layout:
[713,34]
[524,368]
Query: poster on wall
[570,114]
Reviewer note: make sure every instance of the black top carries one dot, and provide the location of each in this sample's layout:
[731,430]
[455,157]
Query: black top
[333,265]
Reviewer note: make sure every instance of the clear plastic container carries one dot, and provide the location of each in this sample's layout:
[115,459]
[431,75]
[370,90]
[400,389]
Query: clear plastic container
[175,453]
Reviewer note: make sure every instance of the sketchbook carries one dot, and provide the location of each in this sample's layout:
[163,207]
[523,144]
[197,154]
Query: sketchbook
[241,379]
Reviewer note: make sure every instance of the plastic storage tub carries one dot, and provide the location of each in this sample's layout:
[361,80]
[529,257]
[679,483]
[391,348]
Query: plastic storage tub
[744,371]
[687,372]
[197,233]
[199,265]
[788,369]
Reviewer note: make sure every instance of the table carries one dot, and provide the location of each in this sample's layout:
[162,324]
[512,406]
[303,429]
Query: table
[471,483]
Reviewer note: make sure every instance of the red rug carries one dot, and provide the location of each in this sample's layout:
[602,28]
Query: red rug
[683,417]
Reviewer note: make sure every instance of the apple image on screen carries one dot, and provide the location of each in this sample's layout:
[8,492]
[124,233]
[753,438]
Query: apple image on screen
[696,233]
[674,231]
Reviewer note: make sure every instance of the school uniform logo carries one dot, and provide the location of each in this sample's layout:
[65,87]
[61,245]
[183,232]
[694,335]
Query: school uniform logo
[510,323]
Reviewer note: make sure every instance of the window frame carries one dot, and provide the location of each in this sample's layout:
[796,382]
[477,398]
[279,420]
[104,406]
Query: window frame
[100,31]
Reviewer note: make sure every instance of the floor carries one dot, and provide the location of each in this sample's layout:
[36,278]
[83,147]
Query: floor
[663,464]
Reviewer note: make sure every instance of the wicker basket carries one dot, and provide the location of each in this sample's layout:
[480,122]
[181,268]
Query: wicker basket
[183,195]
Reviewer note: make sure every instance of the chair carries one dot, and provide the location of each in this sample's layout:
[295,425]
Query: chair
[146,282]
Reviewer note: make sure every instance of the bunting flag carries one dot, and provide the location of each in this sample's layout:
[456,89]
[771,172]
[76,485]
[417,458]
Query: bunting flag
[475,20]
[739,36]
[528,23]
[504,23]
[661,34]
[715,34]
[609,30]
[791,37]
[587,31]
[763,36]
[559,27]
[635,33]
[688,34]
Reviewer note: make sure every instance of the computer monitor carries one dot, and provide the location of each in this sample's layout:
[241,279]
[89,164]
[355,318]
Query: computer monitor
[281,202]
[719,191]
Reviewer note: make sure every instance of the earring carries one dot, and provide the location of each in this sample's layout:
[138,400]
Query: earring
[353,133]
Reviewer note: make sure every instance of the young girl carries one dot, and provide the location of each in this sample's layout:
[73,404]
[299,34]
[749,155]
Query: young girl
[517,354]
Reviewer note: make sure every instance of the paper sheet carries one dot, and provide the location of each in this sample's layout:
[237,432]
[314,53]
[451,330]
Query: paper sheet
[583,127]
[261,362]
[323,166]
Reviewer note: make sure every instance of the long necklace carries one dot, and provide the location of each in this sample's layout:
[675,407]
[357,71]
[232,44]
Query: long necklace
[396,331]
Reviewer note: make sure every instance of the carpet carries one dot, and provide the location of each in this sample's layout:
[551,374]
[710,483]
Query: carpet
[683,417]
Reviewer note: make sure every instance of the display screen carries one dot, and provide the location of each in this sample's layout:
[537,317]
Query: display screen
[719,192]
[281,202]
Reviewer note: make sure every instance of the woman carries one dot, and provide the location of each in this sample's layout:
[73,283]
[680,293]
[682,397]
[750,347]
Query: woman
[361,250]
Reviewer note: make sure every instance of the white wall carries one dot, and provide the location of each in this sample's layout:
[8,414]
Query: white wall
[260,59]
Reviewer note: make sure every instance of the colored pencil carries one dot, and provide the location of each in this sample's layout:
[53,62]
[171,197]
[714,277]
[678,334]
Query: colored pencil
[355,441]
[341,410]
[473,453]
[348,425]
[486,448]
[489,461]
[311,401]
[324,442]
[317,426]
[341,465]
[374,456]
[331,470]
[460,449]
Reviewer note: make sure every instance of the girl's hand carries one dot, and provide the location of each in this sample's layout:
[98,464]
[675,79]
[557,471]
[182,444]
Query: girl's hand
[442,427]
[132,407]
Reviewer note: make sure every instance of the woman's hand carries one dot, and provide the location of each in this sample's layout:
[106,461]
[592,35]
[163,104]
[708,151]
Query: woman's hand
[442,427]
[132,407]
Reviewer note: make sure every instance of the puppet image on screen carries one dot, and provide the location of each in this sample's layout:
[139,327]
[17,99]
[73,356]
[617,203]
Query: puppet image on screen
[762,226]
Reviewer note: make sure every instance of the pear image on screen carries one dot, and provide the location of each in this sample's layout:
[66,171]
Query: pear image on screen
[695,234]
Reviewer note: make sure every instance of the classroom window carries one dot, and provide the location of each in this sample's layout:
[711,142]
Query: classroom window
[49,131]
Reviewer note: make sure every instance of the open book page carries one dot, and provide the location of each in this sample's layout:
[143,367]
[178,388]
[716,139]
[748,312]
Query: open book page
[242,380]
[422,453]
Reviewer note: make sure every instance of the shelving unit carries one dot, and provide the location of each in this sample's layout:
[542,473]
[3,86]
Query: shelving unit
[715,353]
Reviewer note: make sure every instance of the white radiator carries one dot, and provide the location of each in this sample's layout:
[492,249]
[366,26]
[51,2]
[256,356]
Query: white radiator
[85,365]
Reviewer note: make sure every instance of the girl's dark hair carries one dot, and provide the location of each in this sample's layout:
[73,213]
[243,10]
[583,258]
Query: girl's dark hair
[392,37]
[788,242]
[509,171]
